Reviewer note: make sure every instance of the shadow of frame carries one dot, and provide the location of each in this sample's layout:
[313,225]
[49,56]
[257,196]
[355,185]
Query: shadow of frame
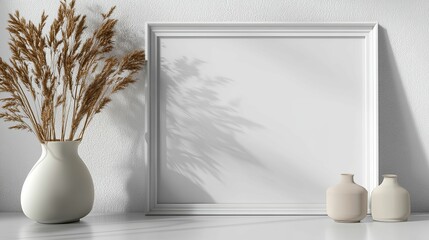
[401,150]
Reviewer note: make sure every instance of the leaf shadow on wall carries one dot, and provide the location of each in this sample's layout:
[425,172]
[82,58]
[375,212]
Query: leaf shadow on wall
[201,139]
[401,150]
[198,129]
[127,113]
[192,152]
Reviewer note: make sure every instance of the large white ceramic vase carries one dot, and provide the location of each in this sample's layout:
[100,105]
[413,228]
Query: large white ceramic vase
[59,187]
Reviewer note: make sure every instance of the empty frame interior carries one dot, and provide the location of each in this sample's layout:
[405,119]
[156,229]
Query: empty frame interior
[249,121]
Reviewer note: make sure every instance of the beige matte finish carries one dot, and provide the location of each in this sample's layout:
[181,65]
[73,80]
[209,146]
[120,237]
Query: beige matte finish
[389,201]
[59,188]
[347,201]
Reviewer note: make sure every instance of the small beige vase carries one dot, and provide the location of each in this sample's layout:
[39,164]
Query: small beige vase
[347,202]
[389,201]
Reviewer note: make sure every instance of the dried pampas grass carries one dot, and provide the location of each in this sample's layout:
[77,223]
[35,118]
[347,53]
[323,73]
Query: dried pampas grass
[55,83]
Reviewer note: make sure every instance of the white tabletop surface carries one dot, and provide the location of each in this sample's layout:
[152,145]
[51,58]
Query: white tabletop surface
[139,226]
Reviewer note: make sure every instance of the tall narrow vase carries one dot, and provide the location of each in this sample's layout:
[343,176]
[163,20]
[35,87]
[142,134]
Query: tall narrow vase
[389,201]
[347,201]
[59,188]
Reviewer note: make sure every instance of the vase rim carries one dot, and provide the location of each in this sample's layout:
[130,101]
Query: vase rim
[57,141]
[347,174]
[390,175]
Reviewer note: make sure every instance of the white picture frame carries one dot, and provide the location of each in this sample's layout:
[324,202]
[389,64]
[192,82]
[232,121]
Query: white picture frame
[188,173]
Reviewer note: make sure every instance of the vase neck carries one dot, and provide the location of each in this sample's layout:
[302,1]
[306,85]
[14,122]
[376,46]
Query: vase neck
[390,179]
[347,178]
[62,149]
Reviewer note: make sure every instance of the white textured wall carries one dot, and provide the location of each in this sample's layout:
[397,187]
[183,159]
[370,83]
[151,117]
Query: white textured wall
[113,146]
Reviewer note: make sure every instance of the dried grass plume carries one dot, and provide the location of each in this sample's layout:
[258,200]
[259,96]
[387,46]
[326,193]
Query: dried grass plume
[57,80]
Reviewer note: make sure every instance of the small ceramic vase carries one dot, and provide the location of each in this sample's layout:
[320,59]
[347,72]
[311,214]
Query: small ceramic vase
[59,188]
[347,202]
[389,201]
